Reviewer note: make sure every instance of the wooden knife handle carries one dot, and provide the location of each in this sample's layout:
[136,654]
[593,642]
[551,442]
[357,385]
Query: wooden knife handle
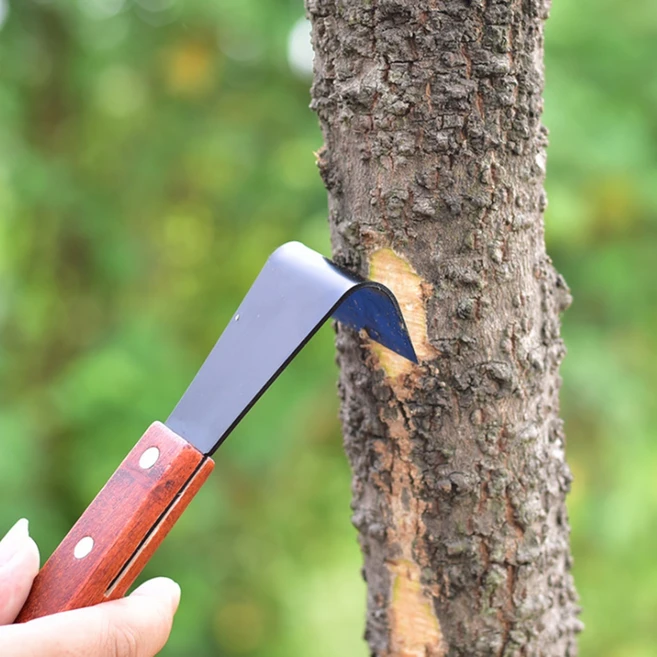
[117,534]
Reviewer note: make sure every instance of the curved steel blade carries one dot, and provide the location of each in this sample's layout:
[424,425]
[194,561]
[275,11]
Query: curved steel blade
[294,294]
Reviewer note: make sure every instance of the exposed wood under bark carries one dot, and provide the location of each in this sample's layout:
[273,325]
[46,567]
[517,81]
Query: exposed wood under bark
[434,163]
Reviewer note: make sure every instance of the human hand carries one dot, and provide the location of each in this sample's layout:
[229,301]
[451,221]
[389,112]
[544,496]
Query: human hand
[135,626]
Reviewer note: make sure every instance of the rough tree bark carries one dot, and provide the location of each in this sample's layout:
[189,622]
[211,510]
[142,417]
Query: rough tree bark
[434,162]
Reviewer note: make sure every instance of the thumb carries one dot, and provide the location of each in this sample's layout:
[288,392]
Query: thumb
[136,626]
[161,588]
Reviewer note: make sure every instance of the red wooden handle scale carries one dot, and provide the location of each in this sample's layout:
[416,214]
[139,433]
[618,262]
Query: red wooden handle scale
[117,534]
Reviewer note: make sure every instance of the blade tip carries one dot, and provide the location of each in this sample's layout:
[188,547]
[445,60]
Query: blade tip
[413,356]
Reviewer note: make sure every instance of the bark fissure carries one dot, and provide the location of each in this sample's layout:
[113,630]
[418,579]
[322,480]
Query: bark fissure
[434,163]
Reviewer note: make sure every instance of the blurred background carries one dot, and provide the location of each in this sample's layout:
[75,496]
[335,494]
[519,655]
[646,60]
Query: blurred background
[152,154]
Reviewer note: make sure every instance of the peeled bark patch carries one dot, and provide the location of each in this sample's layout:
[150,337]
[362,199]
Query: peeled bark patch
[415,631]
[414,625]
[396,273]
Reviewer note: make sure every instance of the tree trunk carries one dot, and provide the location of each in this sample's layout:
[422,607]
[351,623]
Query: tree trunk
[434,162]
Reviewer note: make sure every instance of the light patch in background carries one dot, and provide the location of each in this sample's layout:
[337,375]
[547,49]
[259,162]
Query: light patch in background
[108,34]
[155,5]
[239,46]
[326,607]
[120,91]
[100,9]
[157,12]
[190,68]
[4,12]
[300,52]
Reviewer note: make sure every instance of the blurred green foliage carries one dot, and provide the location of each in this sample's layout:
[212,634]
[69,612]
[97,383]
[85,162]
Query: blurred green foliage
[601,108]
[152,154]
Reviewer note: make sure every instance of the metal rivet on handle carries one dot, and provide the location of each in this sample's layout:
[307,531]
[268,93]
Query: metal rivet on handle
[149,458]
[83,548]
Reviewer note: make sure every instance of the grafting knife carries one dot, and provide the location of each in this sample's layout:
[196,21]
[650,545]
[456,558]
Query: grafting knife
[294,294]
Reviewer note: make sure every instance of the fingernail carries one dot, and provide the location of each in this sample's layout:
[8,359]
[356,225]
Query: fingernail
[14,541]
[160,587]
